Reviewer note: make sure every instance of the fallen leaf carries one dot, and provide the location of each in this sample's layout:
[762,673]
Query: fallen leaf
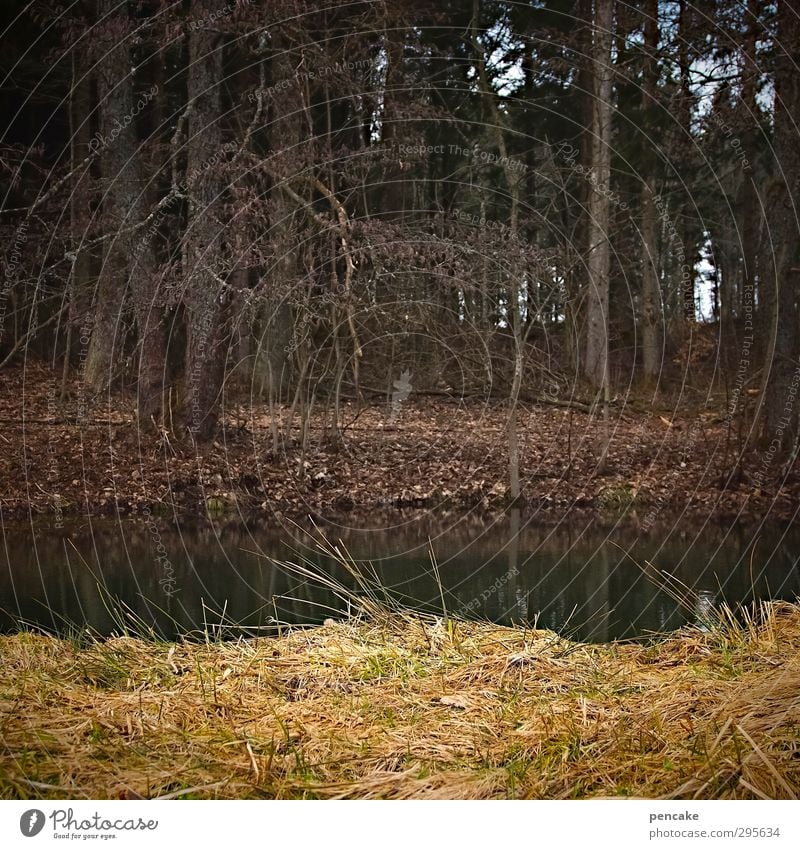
[455,701]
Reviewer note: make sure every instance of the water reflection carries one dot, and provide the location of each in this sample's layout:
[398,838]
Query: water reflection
[579,579]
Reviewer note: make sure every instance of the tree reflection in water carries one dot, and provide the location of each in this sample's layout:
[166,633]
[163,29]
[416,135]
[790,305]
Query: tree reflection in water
[576,578]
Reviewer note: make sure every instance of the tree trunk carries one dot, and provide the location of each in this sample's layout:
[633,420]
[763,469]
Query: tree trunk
[577,282]
[110,294]
[204,235]
[749,205]
[129,260]
[279,347]
[596,365]
[79,290]
[685,284]
[651,294]
[519,336]
[781,401]
[392,190]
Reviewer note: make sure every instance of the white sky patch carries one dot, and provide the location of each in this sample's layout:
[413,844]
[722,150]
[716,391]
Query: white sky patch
[507,75]
[380,70]
[704,284]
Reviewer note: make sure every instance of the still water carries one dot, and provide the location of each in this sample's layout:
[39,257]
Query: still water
[579,578]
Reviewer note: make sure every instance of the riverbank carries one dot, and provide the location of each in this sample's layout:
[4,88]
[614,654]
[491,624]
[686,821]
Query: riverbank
[431,453]
[400,707]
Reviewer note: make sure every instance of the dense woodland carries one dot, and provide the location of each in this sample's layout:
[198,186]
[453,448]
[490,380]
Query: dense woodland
[302,203]
[384,316]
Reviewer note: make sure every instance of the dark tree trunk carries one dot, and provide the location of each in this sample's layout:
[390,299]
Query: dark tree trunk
[596,366]
[391,197]
[112,80]
[577,280]
[749,205]
[129,260]
[781,401]
[685,283]
[651,294]
[204,237]
[80,283]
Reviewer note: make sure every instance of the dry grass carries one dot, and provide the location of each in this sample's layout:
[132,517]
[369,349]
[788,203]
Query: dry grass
[396,706]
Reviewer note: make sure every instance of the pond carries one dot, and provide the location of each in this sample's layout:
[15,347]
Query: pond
[583,578]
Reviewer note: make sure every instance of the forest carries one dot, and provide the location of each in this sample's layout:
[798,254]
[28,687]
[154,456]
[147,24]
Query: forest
[500,294]
[306,210]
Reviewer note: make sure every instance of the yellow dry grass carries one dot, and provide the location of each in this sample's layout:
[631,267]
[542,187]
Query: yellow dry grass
[398,707]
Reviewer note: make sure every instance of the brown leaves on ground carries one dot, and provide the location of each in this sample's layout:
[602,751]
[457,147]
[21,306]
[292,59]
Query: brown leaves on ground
[430,453]
[406,708]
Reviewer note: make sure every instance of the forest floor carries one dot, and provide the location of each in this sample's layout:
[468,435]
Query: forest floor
[426,453]
[397,707]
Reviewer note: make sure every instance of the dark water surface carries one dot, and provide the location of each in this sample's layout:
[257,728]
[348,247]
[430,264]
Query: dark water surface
[575,578]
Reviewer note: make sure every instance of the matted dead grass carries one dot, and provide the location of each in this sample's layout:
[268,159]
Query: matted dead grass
[400,707]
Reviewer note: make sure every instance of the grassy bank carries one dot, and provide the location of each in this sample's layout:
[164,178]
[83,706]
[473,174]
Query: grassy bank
[398,707]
